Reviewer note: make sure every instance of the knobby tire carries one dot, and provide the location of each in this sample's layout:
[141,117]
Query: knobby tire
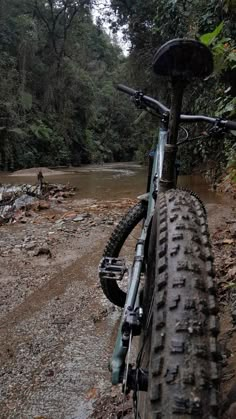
[180,351]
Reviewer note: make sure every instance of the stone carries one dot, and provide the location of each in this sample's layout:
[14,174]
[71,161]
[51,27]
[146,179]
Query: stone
[78,218]
[43,251]
[30,246]
[43,205]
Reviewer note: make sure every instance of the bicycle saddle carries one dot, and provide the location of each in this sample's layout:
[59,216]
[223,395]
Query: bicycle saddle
[183,58]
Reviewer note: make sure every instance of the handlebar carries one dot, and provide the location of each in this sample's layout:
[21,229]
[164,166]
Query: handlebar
[147,100]
[164,111]
[231,125]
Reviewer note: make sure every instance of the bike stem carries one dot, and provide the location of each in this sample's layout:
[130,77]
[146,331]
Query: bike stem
[168,178]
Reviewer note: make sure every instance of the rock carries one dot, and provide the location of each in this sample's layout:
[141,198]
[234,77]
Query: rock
[43,251]
[23,201]
[65,194]
[59,222]
[69,216]
[43,205]
[23,220]
[16,251]
[78,218]
[86,215]
[30,246]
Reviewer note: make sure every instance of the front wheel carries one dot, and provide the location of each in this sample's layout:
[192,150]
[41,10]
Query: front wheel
[178,346]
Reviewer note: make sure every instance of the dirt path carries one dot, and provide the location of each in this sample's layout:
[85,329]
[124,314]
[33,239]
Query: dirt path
[57,329]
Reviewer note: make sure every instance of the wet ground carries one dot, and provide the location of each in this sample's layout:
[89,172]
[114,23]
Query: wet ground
[57,329]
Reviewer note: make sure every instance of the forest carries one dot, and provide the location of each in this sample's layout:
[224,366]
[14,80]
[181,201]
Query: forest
[59,68]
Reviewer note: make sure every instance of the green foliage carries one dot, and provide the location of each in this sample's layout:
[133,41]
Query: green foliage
[214,23]
[210,37]
[224,52]
[58,104]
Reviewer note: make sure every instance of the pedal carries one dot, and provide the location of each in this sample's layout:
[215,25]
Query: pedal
[112,268]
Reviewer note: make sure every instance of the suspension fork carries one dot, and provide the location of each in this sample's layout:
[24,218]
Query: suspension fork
[131,317]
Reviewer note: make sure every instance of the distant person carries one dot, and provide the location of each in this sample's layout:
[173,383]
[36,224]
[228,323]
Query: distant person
[40,179]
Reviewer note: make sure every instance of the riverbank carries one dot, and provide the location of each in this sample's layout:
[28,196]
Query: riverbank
[58,330]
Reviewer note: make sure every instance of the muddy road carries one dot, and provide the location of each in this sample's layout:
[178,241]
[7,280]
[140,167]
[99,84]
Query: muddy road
[57,329]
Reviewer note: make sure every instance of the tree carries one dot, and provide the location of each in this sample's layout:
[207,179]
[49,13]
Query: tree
[149,24]
[57,103]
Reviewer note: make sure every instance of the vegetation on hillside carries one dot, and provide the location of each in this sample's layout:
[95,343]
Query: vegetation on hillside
[58,104]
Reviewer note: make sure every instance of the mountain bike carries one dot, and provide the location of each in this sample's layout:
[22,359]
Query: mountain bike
[167,288]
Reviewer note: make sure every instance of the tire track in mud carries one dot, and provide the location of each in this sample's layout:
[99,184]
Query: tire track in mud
[50,341]
[53,288]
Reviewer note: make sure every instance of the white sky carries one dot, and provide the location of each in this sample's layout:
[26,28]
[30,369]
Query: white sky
[99,12]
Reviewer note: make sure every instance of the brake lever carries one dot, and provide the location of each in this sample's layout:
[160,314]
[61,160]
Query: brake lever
[217,130]
[137,100]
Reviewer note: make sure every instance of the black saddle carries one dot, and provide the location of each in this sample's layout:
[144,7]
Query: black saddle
[183,58]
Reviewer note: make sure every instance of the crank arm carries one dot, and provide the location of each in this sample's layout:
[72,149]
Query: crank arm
[117,362]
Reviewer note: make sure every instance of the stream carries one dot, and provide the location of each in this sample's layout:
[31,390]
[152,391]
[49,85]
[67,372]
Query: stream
[113,181]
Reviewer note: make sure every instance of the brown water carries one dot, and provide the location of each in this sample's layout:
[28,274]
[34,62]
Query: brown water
[114,181]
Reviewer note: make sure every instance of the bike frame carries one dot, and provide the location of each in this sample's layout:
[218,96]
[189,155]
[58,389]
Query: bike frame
[163,178]
[132,300]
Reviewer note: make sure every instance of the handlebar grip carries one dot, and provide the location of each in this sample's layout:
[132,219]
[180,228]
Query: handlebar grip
[126,89]
[231,125]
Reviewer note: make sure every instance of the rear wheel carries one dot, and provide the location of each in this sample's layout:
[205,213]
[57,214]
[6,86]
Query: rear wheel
[179,347]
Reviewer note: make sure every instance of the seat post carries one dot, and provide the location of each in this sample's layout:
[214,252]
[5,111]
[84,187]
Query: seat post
[168,178]
[177,91]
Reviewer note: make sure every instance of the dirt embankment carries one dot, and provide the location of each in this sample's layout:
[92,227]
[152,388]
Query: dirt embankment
[57,329]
